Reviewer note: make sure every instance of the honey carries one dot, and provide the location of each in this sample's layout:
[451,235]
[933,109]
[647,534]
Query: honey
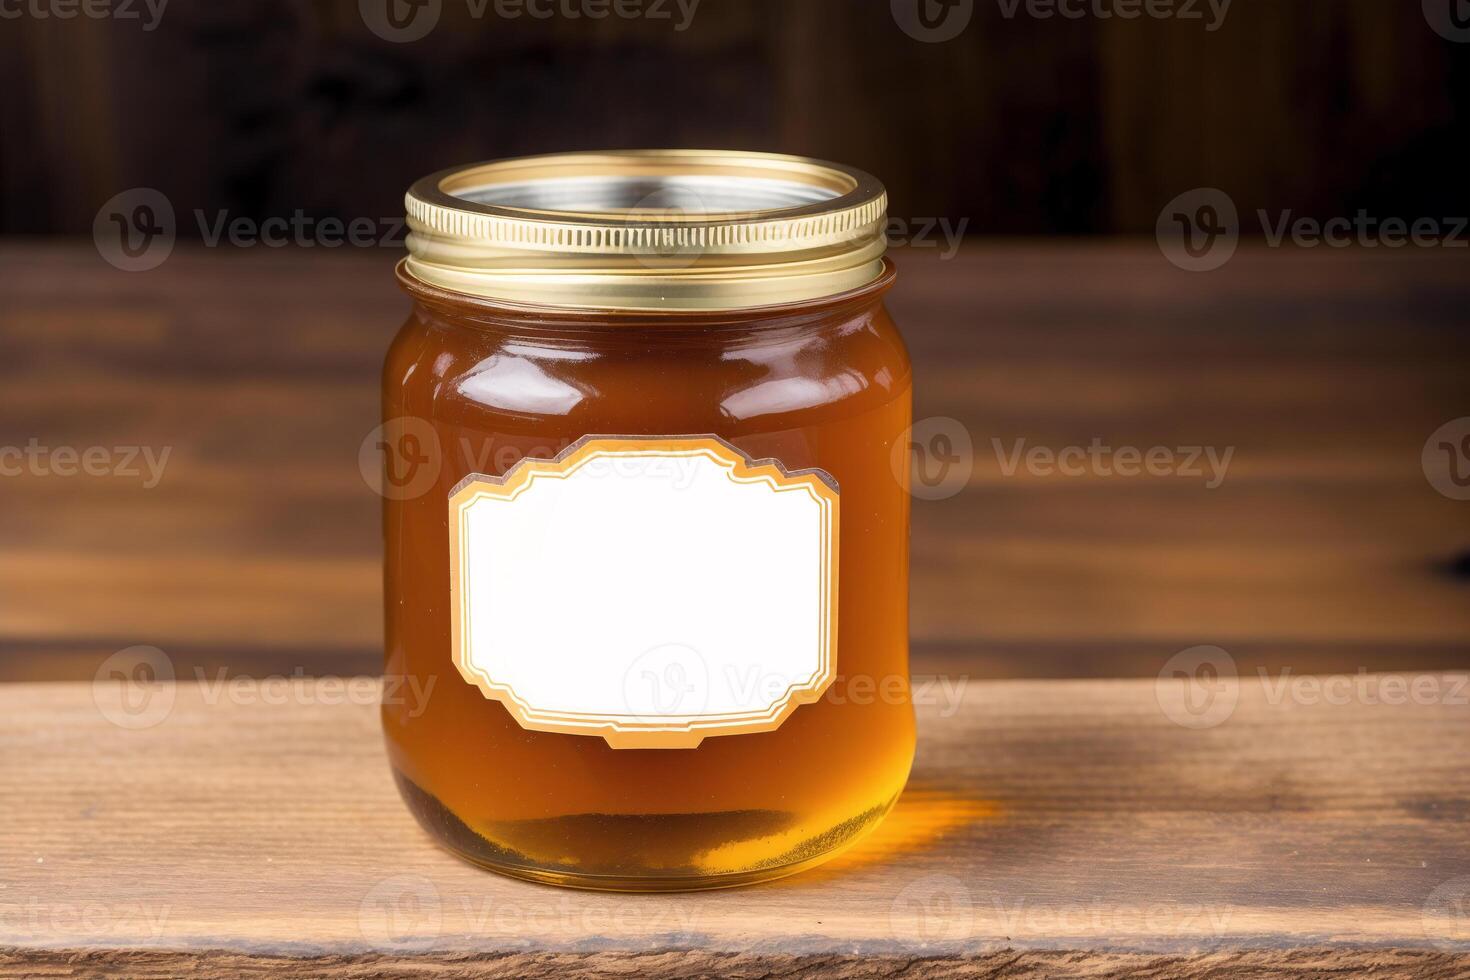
[644,534]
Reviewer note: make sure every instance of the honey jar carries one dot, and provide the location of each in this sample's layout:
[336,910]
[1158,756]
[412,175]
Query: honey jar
[646,549]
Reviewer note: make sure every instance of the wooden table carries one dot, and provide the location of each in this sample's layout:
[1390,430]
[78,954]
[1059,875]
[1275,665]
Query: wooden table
[1325,547]
[1050,829]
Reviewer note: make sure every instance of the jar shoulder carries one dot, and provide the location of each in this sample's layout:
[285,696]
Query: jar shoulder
[847,364]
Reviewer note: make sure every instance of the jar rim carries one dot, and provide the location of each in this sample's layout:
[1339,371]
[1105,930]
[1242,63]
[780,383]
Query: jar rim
[648,230]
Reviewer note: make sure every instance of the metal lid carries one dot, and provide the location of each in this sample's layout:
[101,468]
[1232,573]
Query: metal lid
[648,230]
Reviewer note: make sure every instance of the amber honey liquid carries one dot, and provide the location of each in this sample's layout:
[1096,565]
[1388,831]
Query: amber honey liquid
[824,385]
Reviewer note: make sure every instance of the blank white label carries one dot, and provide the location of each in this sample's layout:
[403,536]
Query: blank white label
[650,591]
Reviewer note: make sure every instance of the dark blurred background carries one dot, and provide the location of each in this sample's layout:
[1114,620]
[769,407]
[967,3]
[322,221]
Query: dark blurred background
[1058,136]
[1023,124]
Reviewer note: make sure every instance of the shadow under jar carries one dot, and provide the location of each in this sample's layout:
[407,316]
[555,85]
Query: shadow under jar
[646,517]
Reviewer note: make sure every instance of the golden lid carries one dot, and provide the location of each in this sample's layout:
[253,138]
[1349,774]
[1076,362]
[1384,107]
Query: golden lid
[648,229]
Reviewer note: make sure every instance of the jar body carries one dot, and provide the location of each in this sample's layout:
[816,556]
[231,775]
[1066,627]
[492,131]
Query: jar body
[824,386]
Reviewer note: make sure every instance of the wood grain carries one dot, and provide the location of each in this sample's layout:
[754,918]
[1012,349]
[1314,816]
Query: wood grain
[1309,964]
[1020,124]
[1324,548]
[1057,828]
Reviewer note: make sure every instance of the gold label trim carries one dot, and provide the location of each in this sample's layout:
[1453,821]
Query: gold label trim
[632,731]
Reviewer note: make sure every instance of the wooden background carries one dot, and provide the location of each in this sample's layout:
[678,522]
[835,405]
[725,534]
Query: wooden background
[1325,548]
[1018,125]
[1325,370]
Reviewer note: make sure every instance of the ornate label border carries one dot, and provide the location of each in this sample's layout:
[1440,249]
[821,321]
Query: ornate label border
[632,732]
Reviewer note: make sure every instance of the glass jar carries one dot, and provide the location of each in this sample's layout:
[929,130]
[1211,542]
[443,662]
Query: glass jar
[646,546]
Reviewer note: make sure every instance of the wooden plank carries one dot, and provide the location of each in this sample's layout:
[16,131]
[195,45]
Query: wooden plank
[257,372]
[1049,829]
